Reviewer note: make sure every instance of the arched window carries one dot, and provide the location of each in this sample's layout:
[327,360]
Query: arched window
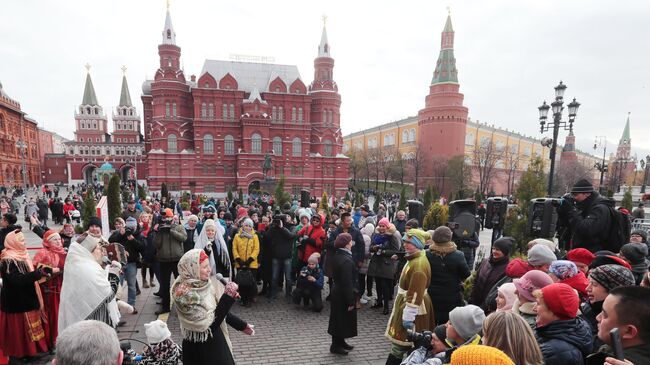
[405,136]
[280,114]
[277,146]
[256,143]
[174,110]
[299,115]
[296,147]
[204,110]
[211,110]
[224,112]
[228,145]
[331,118]
[274,114]
[232,111]
[171,143]
[167,112]
[208,144]
[327,149]
[412,135]
[293,114]
[325,117]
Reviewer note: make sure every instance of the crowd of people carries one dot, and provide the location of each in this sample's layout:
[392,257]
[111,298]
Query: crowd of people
[546,306]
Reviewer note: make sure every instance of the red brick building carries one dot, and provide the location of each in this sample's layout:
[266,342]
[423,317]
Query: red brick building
[16,127]
[95,154]
[214,133]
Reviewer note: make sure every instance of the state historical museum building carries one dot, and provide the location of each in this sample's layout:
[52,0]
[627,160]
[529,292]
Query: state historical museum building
[214,134]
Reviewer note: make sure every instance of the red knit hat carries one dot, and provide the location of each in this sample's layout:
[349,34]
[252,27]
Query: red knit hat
[562,300]
[49,234]
[581,255]
[517,268]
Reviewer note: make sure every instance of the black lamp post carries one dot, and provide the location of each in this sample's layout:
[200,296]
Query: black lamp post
[645,165]
[601,166]
[558,107]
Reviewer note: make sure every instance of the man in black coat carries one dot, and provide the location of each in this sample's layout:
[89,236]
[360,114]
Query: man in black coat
[588,217]
[343,313]
[43,210]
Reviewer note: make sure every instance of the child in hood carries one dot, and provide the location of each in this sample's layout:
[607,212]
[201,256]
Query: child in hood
[161,350]
[310,284]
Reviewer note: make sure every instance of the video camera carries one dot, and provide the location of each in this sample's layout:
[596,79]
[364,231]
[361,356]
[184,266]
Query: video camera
[420,339]
[130,356]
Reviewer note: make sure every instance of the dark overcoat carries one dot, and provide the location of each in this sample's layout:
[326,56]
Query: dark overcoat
[343,323]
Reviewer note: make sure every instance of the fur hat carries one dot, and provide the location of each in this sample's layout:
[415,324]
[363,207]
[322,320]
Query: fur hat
[540,255]
[156,331]
[634,253]
[530,282]
[581,255]
[94,221]
[442,234]
[612,276]
[479,355]
[467,321]
[342,240]
[561,299]
[582,186]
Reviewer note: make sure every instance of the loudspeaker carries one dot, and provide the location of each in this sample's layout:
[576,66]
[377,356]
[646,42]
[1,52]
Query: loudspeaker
[463,214]
[416,210]
[304,198]
[542,217]
[495,214]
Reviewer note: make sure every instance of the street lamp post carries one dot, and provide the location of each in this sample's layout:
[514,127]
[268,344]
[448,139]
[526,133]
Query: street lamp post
[601,166]
[645,165]
[22,145]
[558,107]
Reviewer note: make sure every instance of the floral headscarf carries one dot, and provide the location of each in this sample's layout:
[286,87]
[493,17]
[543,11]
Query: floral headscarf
[52,253]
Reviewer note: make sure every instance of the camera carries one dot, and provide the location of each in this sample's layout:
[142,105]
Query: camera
[128,231]
[420,339]
[130,356]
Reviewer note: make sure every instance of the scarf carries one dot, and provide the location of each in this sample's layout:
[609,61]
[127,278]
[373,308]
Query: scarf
[85,289]
[16,253]
[443,249]
[245,234]
[380,240]
[195,299]
[51,254]
[218,244]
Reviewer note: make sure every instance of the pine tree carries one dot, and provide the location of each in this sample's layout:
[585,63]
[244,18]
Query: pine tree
[402,199]
[375,204]
[627,200]
[437,216]
[89,208]
[280,196]
[428,196]
[164,192]
[359,199]
[325,206]
[142,194]
[229,195]
[347,196]
[241,196]
[114,199]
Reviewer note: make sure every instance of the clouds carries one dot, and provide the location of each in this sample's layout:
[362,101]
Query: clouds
[509,54]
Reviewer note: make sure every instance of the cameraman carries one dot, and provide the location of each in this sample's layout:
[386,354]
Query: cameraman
[586,216]
[126,234]
[430,347]
[168,241]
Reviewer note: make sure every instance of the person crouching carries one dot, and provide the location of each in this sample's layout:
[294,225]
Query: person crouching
[310,284]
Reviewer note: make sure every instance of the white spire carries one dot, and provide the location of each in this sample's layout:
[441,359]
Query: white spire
[168,34]
[324,47]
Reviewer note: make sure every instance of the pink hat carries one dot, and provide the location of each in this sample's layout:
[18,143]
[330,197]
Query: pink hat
[531,281]
[384,222]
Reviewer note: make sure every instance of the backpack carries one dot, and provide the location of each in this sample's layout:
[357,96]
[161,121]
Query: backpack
[619,232]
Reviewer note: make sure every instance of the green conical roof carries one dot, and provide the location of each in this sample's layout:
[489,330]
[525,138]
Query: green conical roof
[448,27]
[445,68]
[125,96]
[89,93]
[626,131]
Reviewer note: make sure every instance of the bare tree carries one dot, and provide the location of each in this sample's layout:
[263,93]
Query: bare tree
[460,174]
[356,163]
[376,161]
[417,162]
[512,160]
[568,173]
[485,158]
[387,163]
[400,166]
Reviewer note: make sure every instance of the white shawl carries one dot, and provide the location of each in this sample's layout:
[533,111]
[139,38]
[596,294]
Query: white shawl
[85,286]
[202,242]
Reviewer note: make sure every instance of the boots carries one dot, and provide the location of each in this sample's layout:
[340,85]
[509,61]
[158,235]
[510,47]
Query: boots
[152,284]
[392,360]
[385,311]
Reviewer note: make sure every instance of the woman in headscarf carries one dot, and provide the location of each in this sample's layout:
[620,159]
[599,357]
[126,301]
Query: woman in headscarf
[211,240]
[21,303]
[51,255]
[88,290]
[202,308]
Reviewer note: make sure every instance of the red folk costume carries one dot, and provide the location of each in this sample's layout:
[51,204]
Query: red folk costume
[52,255]
[21,326]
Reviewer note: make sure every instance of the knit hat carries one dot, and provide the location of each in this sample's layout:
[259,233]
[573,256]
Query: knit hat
[543,241]
[563,269]
[507,290]
[120,221]
[193,217]
[49,234]
[612,276]
[342,240]
[169,213]
[582,186]
[517,268]
[442,234]
[131,223]
[90,243]
[313,258]
[479,355]
[504,244]
[540,255]
[609,260]
[94,221]
[156,331]
[304,213]
[467,321]
[413,239]
[530,282]
[413,223]
[365,208]
[635,253]
[227,216]
[248,222]
[561,299]
[441,332]
[581,255]
[641,232]
[384,222]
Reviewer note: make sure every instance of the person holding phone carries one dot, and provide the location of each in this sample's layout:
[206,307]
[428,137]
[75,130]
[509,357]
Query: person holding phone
[626,309]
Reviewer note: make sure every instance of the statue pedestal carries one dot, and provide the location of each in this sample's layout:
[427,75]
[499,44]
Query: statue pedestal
[268,184]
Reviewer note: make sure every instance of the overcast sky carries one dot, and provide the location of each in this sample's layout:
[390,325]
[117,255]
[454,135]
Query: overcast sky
[510,55]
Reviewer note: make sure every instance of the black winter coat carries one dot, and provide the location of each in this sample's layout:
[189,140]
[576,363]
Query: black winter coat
[343,323]
[18,294]
[447,273]
[134,247]
[281,242]
[43,209]
[564,342]
[590,222]
[488,274]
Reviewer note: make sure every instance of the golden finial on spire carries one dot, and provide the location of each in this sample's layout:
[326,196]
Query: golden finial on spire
[124,70]
[87,66]
[324,20]
[167,5]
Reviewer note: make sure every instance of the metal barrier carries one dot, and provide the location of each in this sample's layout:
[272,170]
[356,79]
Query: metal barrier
[643,224]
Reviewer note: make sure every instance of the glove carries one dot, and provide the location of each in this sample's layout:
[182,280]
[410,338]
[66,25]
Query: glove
[239,261]
[408,316]
[231,290]
[249,261]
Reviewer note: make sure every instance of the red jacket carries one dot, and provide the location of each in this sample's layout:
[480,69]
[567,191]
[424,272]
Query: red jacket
[315,242]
